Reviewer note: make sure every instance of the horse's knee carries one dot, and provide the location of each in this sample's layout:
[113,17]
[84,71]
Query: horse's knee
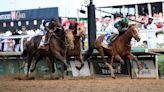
[122,62]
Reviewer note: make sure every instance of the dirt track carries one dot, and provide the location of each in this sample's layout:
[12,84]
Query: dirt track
[83,85]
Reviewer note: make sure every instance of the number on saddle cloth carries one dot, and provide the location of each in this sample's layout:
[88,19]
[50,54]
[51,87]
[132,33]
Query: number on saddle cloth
[107,36]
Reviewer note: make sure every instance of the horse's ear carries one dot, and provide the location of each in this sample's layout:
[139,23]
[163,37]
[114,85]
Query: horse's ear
[132,25]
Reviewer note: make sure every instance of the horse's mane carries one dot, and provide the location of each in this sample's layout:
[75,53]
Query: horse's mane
[130,26]
[60,31]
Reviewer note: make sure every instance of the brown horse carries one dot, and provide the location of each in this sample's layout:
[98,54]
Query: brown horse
[76,51]
[57,39]
[120,49]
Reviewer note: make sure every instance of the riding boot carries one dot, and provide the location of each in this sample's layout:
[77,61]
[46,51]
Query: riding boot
[111,39]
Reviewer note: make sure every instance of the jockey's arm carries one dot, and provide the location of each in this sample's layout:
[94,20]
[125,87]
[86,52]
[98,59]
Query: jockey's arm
[117,25]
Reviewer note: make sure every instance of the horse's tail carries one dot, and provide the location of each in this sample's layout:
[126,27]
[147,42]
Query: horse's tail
[88,53]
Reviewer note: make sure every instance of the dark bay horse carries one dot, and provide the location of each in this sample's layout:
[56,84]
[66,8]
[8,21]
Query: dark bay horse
[58,41]
[76,51]
[120,49]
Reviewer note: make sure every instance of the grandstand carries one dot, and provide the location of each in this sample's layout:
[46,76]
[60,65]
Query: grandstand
[131,7]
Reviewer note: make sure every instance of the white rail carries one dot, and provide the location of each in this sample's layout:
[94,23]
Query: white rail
[22,37]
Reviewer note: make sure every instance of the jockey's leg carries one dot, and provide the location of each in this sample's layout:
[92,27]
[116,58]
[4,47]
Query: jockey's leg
[112,38]
[42,42]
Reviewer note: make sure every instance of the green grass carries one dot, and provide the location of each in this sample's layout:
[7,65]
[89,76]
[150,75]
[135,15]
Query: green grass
[161,64]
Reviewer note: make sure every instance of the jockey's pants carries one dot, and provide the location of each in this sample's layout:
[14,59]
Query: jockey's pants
[42,42]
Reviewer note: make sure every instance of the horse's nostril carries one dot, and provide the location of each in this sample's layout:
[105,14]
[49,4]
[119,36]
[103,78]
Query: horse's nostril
[138,39]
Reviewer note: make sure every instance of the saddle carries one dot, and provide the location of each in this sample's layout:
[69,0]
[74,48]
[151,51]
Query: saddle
[104,43]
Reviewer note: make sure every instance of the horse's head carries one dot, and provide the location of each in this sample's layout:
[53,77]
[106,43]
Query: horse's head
[81,31]
[134,31]
[54,23]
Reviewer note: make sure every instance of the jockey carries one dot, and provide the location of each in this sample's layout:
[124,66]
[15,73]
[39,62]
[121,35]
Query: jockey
[122,25]
[118,29]
[111,34]
[70,25]
[42,32]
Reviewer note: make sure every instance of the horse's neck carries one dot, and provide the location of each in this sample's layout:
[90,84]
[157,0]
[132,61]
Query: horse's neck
[77,39]
[126,38]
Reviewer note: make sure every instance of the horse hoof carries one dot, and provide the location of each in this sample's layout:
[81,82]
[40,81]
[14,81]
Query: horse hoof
[55,78]
[113,77]
[21,68]
[78,68]
[30,78]
[31,70]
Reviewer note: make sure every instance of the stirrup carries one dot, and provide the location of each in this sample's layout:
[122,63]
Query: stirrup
[46,43]
[109,44]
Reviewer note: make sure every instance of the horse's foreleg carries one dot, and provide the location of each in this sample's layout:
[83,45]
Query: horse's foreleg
[64,62]
[132,57]
[80,58]
[117,57]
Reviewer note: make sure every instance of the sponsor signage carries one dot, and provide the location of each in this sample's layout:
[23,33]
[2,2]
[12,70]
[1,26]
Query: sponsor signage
[13,15]
[147,69]
[31,14]
[101,69]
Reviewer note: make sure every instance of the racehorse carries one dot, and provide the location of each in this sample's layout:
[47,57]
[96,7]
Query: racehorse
[57,39]
[76,52]
[120,49]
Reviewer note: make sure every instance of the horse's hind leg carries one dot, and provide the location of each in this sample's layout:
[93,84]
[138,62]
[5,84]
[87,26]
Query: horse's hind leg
[35,63]
[28,66]
[80,58]
[101,52]
[111,67]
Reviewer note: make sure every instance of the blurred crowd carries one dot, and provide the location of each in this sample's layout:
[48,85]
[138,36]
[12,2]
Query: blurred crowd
[9,44]
[144,22]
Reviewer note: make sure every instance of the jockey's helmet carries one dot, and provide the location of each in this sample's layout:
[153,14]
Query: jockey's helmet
[125,22]
[125,19]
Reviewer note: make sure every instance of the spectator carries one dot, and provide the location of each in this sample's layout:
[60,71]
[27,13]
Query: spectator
[7,42]
[24,32]
[17,41]
[150,24]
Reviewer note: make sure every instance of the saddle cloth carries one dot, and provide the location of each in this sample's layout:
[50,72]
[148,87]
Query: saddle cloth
[104,43]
